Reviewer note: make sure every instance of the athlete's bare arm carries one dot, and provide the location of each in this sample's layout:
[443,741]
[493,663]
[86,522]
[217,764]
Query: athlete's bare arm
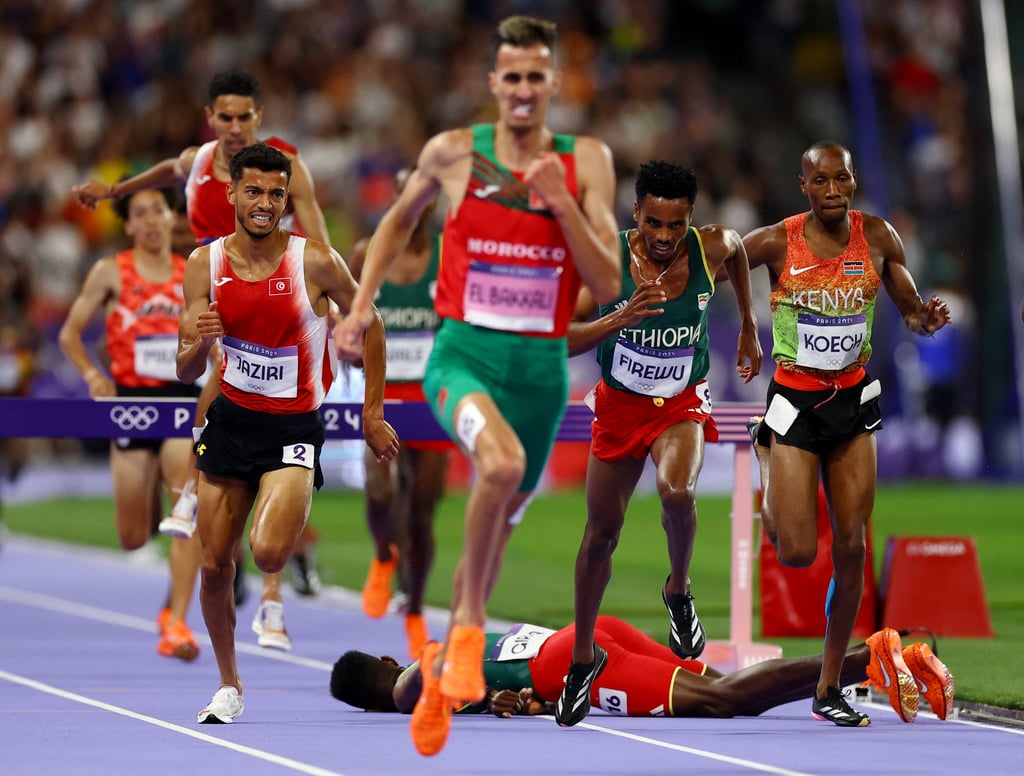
[589,226]
[200,324]
[161,175]
[648,300]
[766,246]
[444,159]
[102,284]
[328,276]
[302,195]
[888,256]
[723,248]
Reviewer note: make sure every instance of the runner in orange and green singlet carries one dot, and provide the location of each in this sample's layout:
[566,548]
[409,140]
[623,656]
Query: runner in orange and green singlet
[826,267]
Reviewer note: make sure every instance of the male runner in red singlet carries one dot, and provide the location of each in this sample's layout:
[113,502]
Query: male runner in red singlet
[530,218]
[653,399]
[264,294]
[234,111]
[826,267]
[139,291]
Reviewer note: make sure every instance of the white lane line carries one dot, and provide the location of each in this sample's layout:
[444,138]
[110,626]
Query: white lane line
[86,612]
[690,750]
[247,750]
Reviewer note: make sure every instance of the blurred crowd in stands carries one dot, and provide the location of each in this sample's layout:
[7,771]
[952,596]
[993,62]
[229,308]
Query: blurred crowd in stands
[734,89]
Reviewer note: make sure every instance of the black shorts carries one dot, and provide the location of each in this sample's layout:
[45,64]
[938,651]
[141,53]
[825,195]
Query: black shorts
[169,391]
[243,444]
[825,421]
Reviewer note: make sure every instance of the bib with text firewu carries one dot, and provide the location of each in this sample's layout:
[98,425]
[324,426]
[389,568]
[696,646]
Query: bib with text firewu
[253,368]
[650,371]
[511,298]
[829,342]
[156,356]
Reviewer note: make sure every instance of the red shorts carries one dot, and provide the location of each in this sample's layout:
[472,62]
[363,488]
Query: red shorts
[637,679]
[627,424]
[413,392]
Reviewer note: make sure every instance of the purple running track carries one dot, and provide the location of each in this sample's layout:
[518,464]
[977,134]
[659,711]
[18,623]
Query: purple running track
[83,691]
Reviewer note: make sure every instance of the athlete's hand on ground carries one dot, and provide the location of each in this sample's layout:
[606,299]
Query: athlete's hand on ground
[381,438]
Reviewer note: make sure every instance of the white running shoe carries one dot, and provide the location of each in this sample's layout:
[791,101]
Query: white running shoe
[182,520]
[225,706]
[268,624]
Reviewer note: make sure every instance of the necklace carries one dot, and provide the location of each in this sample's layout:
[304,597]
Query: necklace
[640,272]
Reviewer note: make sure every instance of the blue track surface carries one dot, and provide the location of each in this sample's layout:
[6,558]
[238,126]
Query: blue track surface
[83,691]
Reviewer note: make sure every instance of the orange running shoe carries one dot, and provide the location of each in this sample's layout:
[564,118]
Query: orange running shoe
[934,681]
[162,618]
[178,641]
[416,633]
[377,589]
[887,671]
[432,715]
[462,676]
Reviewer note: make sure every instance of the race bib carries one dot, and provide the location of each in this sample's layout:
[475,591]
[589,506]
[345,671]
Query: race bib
[407,354]
[829,343]
[10,372]
[651,372]
[511,298]
[253,368]
[522,642]
[156,356]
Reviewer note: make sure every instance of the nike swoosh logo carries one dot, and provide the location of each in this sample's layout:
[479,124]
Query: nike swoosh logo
[222,281]
[868,428]
[486,191]
[202,179]
[795,271]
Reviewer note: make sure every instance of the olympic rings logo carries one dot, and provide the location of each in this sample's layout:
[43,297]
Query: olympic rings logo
[139,418]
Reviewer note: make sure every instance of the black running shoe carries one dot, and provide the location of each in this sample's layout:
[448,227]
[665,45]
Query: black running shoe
[238,587]
[574,703]
[304,576]
[834,708]
[686,634]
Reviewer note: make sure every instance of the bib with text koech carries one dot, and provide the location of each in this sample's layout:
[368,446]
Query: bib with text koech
[511,298]
[830,343]
[407,354]
[650,371]
[156,356]
[253,368]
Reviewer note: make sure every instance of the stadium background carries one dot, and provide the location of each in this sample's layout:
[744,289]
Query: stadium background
[735,89]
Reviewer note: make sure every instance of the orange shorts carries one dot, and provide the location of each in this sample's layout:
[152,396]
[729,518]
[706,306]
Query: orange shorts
[413,392]
[627,424]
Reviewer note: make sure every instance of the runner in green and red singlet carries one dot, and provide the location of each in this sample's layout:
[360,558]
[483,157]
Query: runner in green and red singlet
[530,218]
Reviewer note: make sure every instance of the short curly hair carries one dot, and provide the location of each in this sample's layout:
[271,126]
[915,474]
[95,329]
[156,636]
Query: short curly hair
[364,681]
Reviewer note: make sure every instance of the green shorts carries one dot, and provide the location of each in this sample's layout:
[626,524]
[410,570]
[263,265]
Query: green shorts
[526,377]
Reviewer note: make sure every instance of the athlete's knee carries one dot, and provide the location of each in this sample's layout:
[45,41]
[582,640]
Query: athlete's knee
[269,558]
[504,472]
[795,554]
[678,501]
